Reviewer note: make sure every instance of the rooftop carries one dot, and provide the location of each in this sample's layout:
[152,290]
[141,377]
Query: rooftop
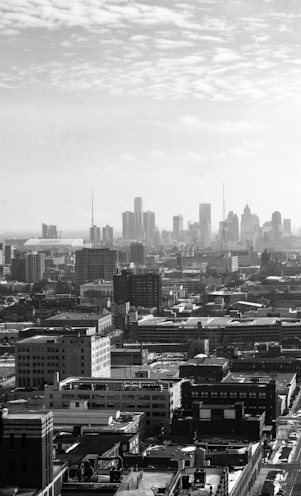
[60,242]
[75,316]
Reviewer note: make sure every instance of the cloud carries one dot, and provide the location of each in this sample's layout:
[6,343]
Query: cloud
[171,50]
[194,123]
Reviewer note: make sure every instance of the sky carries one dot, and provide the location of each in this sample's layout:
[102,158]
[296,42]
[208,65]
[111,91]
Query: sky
[163,99]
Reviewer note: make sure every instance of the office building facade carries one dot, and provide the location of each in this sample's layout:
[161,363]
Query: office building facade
[141,290]
[95,263]
[81,352]
[34,267]
[157,398]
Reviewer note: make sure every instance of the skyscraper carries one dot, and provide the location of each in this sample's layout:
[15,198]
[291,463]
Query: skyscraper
[249,227]
[149,224]
[276,228]
[107,234]
[128,225]
[138,218]
[177,227]
[232,226]
[205,224]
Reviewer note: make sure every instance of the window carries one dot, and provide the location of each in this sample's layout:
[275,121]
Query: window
[11,441]
[24,441]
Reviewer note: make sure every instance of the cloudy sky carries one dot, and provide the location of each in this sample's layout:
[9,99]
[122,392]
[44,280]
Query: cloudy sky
[164,99]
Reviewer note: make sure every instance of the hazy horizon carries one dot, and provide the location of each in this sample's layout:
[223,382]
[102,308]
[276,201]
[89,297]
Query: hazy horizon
[166,100]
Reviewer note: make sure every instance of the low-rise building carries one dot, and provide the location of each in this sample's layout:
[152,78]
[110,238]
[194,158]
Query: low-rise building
[102,322]
[207,421]
[157,398]
[203,369]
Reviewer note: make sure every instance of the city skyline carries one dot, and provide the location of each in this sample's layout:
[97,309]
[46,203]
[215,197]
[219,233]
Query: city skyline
[163,101]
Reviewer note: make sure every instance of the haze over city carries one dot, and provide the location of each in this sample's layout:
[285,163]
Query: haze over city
[164,100]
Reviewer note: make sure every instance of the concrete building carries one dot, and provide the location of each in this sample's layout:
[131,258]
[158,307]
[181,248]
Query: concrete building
[81,352]
[101,322]
[157,398]
[97,289]
[95,263]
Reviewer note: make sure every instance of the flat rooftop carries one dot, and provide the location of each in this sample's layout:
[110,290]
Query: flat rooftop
[106,384]
[76,316]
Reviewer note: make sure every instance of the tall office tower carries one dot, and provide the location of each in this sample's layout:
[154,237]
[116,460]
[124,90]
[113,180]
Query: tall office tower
[34,267]
[8,254]
[107,234]
[26,450]
[276,228]
[94,236]
[18,267]
[128,225]
[177,227]
[205,224]
[249,227]
[95,263]
[149,225]
[138,217]
[287,227]
[141,290]
[137,253]
[232,226]
[49,231]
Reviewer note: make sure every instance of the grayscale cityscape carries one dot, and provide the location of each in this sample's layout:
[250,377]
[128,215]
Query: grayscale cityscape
[150,248]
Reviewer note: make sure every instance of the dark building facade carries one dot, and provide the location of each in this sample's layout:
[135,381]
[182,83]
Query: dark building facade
[95,263]
[141,290]
[258,397]
[137,253]
[26,450]
[206,421]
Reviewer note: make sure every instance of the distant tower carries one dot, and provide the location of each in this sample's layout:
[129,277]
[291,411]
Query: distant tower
[138,210]
[277,228]
[177,227]
[205,224]
[149,225]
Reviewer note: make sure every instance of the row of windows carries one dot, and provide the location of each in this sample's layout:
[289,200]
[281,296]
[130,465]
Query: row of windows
[223,394]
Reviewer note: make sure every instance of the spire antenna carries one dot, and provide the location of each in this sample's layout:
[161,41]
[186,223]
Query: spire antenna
[92,209]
